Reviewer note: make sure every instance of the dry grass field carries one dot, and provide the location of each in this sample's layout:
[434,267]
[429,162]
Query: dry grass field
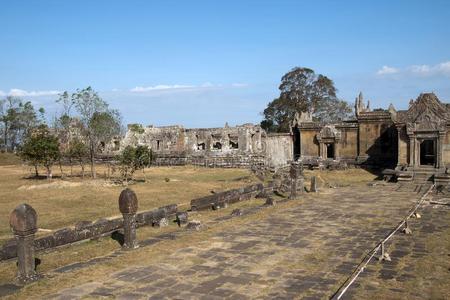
[64,202]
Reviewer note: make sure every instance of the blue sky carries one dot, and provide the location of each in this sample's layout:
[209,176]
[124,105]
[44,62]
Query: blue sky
[204,63]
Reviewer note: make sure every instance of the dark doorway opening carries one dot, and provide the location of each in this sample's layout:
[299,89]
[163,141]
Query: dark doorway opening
[296,133]
[427,153]
[330,150]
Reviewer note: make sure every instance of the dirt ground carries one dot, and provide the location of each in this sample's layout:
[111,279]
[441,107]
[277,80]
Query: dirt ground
[298,249]
[64,202]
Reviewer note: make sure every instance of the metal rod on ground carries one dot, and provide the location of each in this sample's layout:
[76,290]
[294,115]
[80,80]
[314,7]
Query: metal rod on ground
[359,269]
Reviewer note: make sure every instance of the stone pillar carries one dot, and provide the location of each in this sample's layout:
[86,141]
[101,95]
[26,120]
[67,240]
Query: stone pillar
[321,150]
[293,176]
[411,151]
[439,150]
[416,152]
[337,150]
[23,222]
[128,205]
[399,145]
[313,188]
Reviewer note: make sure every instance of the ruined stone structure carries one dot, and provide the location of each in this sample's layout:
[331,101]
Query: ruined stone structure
[239,146]
[416,142]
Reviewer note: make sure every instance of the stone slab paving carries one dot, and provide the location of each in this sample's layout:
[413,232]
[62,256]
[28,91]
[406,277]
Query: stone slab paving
[305,250]
[420,266]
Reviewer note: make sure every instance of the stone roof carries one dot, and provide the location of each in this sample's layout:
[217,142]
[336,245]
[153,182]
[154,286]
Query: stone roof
[428,105]
[375,115]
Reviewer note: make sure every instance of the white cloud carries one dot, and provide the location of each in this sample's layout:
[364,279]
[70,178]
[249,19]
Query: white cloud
[23,93]
[182,87]
[387,70]
[239,84]
[207,85]
[444,67]
[427,70]
[160,87]
[2,93]
[441,69]
[423,70]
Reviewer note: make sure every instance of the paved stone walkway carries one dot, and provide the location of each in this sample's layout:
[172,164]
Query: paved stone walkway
[298,251]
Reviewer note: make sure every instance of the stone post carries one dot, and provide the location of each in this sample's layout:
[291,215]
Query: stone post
[313,188]
[128,205]
[295,173]
[23,222]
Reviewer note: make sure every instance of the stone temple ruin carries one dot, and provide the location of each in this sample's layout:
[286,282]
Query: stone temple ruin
[414,143]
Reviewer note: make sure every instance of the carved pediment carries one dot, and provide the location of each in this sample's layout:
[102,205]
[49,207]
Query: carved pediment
[329,132]
[302,117]
[427,113]
[427,108]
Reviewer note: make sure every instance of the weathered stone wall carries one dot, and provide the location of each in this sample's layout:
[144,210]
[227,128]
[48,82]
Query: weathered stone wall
[446,148]
[309,146]
[279,149]
[403,147]
[377,141]
[229,147]
[198,141]
[348,143]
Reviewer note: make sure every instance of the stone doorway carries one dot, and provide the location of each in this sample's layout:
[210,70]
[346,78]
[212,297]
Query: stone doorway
[296,133]
[330,150]
[428,153]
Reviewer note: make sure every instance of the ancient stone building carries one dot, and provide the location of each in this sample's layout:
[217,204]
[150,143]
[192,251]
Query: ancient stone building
[416,142]
[370,138]
[222,147]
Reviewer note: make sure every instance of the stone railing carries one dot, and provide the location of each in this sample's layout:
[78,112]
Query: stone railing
[87,230]
[222,199]
[23,222]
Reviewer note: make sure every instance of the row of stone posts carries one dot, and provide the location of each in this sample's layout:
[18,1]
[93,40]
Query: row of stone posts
[23,222]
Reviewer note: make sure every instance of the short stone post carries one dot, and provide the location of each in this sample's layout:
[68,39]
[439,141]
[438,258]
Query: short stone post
[313,188]
[295,174]
[128,205]
[23,222]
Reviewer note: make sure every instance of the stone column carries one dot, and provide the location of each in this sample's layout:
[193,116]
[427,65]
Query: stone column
[416,152]
[128,205]
[293,177]
[321,150]
[313,188]
[23,222]
[439,150]
[399,144]
[336,150]
[411,151]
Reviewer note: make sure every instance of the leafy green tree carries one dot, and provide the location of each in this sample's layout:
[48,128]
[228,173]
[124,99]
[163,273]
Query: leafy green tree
[134,158]
[143,158]
[78,151]
[41,148]
[17,118]
[302,90]
[100,124]
[126,160]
